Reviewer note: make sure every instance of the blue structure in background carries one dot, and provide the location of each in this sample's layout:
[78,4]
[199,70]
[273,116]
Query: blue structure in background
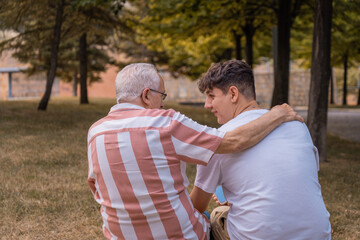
[11,70]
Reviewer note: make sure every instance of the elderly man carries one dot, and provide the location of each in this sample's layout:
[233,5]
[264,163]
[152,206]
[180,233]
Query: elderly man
[273,187]
[138,153]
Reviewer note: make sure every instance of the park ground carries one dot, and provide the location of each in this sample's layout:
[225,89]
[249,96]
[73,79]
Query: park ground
[43,178]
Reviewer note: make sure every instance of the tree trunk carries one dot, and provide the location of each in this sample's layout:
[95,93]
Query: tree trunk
[331,88]
[237,39]
[358,103]
[53,57]
[281,83]
[345,79]
[320,74]
[249,31]
[75,83]
[83,69]
[249,51]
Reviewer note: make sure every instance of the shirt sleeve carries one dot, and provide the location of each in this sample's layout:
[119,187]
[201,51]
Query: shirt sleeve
[209,177]
[193,142]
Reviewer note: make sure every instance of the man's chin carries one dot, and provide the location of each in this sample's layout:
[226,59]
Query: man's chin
[222,121]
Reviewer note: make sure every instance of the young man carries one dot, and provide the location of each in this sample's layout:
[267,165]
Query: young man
[138,153]
[272,188]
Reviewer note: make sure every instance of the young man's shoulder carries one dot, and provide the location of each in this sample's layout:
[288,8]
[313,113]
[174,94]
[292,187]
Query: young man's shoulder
[243,119]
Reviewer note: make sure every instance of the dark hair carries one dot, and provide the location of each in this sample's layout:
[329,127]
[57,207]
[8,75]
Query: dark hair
[223,75]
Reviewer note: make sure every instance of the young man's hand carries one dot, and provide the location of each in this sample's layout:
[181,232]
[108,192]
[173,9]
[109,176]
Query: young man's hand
[218,203]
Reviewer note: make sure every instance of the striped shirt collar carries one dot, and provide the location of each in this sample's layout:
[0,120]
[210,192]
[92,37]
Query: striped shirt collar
[125,106]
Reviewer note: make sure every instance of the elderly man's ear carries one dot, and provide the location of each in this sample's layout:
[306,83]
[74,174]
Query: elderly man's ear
[145,97]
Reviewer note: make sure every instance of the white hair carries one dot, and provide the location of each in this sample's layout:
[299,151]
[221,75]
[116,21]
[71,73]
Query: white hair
[133,79]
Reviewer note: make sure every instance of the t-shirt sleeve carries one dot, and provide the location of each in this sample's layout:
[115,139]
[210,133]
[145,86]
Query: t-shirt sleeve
[209,177]
[193,142]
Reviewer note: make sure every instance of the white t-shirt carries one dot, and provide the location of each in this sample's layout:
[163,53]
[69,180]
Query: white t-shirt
[273,187]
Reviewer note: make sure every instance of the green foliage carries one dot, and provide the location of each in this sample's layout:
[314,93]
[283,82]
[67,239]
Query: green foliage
[184,35]
[193,57]
[98,19]
[32,38]
[302,36]
[346,39]
[30,35]
[193,34]
[128,40]
[345,36]
[346,32]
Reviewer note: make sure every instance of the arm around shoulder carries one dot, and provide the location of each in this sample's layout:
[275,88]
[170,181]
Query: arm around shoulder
[250,134]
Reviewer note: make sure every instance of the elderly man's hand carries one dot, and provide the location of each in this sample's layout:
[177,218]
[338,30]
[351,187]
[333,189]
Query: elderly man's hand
[286,113]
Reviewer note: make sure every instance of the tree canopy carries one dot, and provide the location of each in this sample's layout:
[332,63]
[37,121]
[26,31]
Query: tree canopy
[186,36]
[346,38]
[53,45]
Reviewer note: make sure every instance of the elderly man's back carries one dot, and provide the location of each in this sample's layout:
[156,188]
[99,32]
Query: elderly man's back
[137,162]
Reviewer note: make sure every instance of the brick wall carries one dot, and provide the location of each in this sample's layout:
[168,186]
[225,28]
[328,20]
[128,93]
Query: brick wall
[178,89]
[4,86]
[181,89]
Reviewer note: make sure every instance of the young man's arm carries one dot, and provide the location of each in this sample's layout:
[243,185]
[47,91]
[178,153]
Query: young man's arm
[200,199]
[250,134]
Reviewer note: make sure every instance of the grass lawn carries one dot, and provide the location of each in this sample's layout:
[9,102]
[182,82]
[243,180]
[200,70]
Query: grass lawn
[43,177]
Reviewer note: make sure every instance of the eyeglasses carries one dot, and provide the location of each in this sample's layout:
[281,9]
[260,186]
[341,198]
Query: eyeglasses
[163,95]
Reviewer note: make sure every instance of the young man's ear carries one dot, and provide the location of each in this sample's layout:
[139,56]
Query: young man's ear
[234,92]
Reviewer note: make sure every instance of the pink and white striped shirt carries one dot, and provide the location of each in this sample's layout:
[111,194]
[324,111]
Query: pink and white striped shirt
[137,172]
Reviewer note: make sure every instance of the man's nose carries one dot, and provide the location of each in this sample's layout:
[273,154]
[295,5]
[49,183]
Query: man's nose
[207,104]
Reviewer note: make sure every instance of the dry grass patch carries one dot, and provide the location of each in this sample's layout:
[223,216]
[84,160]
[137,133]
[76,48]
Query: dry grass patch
[43,178]
[340,182]
[43,188]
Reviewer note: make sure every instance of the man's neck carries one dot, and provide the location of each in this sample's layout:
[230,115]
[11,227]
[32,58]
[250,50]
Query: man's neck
[136,101]
[251,105]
